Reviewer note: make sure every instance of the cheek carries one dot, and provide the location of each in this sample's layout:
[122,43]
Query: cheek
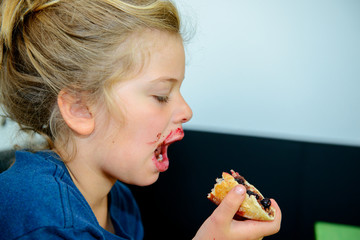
[150,126]
[156,129]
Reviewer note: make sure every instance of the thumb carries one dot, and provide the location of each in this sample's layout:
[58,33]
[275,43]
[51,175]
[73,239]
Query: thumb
[230,205]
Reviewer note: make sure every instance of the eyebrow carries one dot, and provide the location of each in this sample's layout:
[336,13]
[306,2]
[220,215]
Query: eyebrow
[165,79]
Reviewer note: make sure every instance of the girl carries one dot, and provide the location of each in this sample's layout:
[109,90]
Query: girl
[100,80]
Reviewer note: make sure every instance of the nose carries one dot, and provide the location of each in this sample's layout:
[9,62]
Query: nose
[184,112]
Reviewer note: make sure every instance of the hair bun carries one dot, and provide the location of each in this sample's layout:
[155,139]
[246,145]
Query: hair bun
[14,12]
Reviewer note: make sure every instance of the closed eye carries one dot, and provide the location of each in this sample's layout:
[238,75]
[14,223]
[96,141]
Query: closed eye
[162,99]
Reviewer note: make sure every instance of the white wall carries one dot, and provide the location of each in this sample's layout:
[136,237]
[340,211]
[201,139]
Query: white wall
[275,68]
[9,136]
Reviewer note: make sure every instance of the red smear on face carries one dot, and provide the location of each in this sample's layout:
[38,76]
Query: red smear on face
[158,136]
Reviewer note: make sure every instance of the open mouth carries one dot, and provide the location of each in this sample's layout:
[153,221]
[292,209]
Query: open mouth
[160,157]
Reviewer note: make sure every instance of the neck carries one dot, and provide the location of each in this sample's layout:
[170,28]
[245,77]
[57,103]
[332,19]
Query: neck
[94,186]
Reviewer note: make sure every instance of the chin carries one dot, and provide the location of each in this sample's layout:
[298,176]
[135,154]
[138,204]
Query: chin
[146,181]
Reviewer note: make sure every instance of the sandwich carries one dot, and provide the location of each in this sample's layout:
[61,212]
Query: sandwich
[255,206]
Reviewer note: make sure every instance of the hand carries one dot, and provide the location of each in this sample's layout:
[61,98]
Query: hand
[221,225]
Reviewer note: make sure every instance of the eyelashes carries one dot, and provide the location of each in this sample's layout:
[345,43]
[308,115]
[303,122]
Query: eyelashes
[162,99]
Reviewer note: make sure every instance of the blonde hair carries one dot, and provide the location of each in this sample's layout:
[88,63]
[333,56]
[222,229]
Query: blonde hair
[47,46]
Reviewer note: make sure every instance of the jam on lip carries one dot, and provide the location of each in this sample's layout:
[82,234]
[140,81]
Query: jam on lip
[174,136]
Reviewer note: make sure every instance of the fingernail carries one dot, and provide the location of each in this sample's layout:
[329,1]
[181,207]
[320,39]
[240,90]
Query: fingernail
[239,189]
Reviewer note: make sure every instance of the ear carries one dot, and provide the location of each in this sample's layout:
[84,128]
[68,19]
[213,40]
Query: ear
[76,113]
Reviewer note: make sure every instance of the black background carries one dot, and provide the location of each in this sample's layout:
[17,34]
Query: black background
[311,182]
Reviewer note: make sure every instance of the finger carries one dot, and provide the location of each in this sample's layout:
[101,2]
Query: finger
[277,220]
[230,205]
[278,215]
[262,228]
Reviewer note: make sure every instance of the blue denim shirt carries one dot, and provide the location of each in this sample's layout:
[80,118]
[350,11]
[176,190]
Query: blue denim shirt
[38,200]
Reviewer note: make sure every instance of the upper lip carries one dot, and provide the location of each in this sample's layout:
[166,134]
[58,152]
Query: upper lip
[175,135]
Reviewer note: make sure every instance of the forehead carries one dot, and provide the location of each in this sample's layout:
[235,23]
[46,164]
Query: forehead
[152,42]
[160,53]
[157,38]
[159,57]
[139,50]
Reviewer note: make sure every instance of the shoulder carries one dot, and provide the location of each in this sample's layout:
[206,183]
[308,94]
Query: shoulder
[32,177]
[30,180]
[34,194]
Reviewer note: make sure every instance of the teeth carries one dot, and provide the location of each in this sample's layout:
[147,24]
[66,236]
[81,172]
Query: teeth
[160,158]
